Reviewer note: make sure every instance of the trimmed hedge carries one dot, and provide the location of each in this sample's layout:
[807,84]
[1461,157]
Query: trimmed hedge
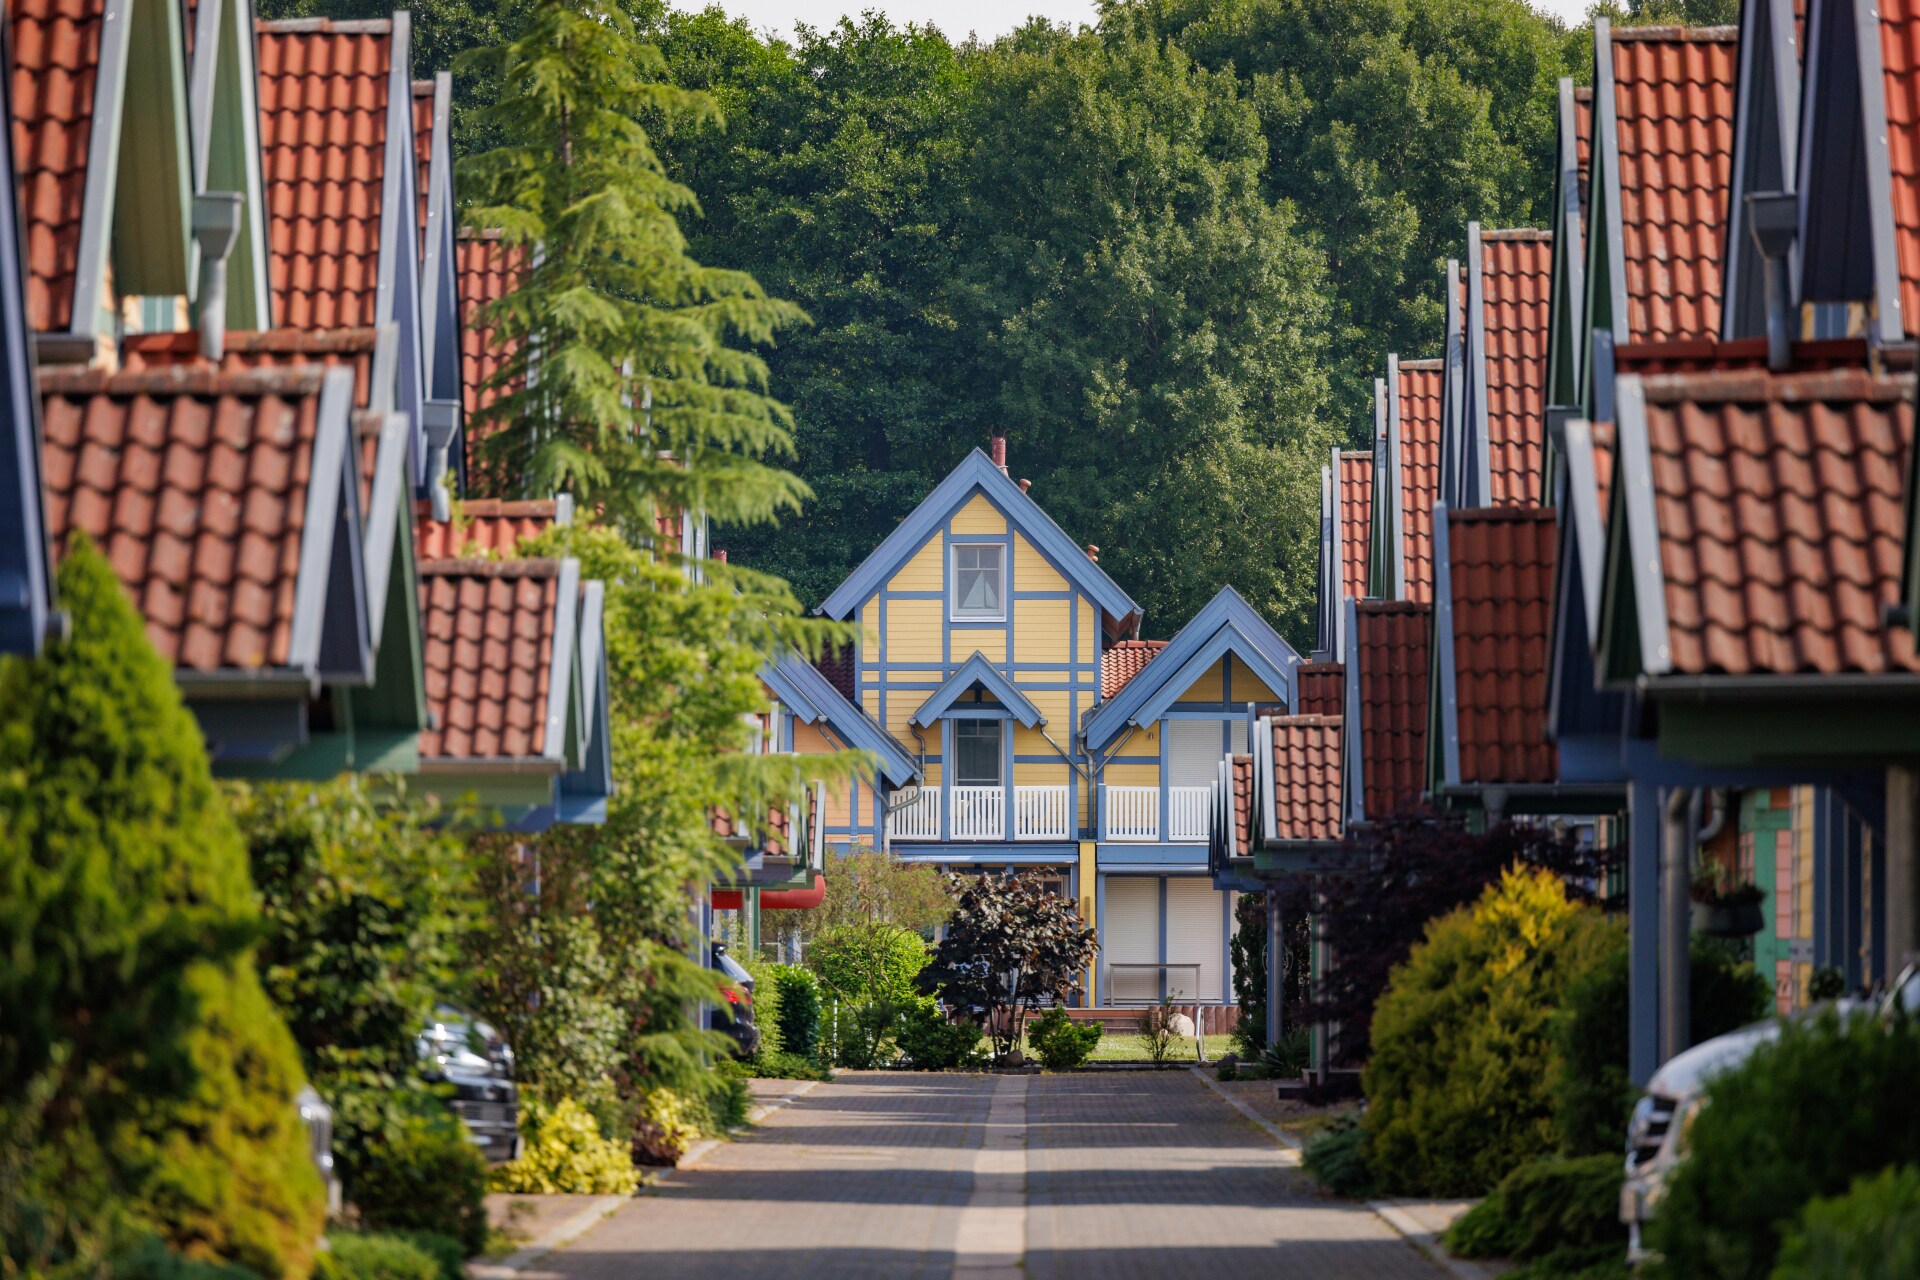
[1870,1233]
[1546,1206]
[416,1169]
[799,1010]
[372,1256]
[932,1043]
[1061,1043]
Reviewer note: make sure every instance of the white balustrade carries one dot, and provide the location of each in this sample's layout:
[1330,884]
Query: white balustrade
[978,813]
[1187,812]
[1133,813]
[1042,813]
[916,815]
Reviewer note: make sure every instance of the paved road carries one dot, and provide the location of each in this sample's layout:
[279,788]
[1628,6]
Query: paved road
[902,1177]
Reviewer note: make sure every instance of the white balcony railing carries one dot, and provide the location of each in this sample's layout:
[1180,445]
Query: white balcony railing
[1187,812]
[978,813]
[1133,813]
[1042,813]
[916,815]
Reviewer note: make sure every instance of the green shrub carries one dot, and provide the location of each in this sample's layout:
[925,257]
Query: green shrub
[562,1153]
[863,1034]
[1062,1043]
[1338,1158]
[149,1259]
[126,912]
[1592,1096]
[1154,1028]
[416,1171]
[358,1256]
[445,1251]
[1287,1057]
[1802,1118]
[1547,1206]
[1227,1069]
[669,1126]
[1457,1085]
[932,1043]
[864,963]
[787,1066]
[1870,1233]
[799,1013]
[766,1006]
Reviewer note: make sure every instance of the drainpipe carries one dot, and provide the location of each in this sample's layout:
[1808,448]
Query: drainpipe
[1676,881]
[1775,219]
[216,226]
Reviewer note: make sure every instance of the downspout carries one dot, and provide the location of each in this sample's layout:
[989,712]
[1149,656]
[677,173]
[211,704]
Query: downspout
[1682,824]
[1774,217]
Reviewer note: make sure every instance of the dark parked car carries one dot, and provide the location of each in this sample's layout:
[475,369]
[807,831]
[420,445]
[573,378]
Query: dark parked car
[735,1017]
[460,1050]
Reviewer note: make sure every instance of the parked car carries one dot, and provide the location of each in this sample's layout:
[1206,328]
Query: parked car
[1657,1131]
[735,1017]
[317,1116]
[460,1050]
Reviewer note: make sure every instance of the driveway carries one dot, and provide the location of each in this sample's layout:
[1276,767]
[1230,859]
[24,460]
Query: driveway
[886,1176]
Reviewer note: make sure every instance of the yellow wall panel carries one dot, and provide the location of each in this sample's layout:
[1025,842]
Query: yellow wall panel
[926,571]
[1042,775]
[1248,687]
[870,626]
[1132,775]
[914,630]
[979,516]
[1041,631]
[1207,688]
[1089,631]
[1053,705]
[989,641]
[1031,571]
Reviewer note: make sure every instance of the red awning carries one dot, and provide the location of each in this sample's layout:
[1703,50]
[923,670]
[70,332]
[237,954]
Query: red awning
[775,899]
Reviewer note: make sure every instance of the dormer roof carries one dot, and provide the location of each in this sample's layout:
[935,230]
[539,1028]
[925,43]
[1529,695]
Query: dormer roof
[813,699]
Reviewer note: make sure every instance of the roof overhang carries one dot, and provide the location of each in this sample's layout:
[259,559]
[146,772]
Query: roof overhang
[977,671]
[812,699]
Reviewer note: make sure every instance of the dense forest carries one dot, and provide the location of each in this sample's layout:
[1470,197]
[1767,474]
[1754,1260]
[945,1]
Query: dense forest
[1167,255]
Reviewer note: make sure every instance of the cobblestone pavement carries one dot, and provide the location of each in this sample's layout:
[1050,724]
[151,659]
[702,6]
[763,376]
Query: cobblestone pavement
[902,1177]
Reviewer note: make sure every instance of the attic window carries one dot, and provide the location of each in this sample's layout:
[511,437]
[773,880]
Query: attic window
[979,582]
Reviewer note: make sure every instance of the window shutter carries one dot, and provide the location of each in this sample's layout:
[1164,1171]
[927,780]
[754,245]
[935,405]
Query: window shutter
[1131,935]
[1193,752]
[1194,934]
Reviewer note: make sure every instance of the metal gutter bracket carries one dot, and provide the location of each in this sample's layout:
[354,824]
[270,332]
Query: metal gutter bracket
[1774,219]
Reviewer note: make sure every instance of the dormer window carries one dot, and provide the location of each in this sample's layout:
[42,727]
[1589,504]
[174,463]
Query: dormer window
[979,582]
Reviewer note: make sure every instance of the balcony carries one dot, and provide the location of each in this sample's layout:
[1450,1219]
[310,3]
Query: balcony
[1133,815]
[980,813]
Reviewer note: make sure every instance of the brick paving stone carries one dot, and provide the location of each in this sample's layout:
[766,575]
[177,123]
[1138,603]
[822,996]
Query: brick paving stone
[874,1176]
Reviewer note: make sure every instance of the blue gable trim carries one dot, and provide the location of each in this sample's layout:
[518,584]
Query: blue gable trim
[26,570]
[976,471]
[977,670]
[1248,637]
[812,698]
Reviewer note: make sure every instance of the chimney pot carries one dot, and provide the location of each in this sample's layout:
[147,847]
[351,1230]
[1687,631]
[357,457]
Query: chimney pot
[1093,553]
[721,555]
[1025,484]
[997,450]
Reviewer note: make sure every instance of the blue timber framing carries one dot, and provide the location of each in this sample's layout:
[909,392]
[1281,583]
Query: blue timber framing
[976,671]
[26,565]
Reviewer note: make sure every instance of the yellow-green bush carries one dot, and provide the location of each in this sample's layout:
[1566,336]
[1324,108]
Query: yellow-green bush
[564,1154]
[1459,1081]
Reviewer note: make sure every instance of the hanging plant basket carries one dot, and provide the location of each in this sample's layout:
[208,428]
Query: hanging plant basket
[1728,919]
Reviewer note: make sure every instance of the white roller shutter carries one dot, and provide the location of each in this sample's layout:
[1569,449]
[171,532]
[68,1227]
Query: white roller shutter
[1193,752]
[1238,729]
[1130,934]
[1194,935]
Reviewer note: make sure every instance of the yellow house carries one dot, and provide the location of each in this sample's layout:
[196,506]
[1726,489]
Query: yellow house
[1045,735]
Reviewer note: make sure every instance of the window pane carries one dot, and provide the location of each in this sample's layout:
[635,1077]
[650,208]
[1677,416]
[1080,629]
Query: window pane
[976,748]
[977,575]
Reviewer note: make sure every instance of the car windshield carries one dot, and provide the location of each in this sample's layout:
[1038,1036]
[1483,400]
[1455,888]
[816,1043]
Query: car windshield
[732,968]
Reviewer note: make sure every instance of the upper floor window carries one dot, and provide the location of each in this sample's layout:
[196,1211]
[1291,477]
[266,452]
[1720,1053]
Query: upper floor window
[979,581]
[976,752]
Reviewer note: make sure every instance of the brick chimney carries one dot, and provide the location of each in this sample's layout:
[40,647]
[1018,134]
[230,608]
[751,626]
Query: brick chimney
[997,449]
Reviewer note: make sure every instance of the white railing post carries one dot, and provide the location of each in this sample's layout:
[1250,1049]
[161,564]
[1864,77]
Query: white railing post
[978,813]
[917,816]
[1132,813]
[1187,813]
[1042,813]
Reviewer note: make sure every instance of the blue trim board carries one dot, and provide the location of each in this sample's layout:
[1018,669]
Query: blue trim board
[987,853]
[977,472]
[1146,854]
[978,671]
[26,566]
[812,697]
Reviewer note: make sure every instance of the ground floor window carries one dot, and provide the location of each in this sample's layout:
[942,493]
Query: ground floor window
[1164,935]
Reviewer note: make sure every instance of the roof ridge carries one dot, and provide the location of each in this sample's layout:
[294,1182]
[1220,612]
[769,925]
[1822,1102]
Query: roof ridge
[202,378]
[1651,34]
[1516,233]
[1307,720]
[1499,515]
[1760,384]
[1393,606]
[323,26]
[1426,364]
[473,567]
[480,233]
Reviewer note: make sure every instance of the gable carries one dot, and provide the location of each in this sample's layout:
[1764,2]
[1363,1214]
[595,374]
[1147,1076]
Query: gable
[226,147]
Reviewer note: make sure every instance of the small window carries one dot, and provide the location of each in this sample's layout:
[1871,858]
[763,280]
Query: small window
[979,581]
[976,752]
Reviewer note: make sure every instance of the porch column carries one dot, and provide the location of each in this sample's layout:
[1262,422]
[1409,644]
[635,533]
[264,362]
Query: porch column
[1903,880]
[1676,935]
[1276,969]
[1643,931]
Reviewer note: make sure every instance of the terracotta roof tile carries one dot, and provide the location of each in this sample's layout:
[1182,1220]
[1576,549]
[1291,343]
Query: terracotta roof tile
[1704,355]
[1306,777]
[488,268]
[193,484]
[487,628]
[1355,478]
[56,62]
[840,668]
[1900,62]
[1391,642]
[483,528]
[1125,660]
[1673,94]
[1501,564]
[1323,688]
[1603,437]
[1240,775]
[1583,145]
[1516,284]
[1422,394]
[323,135]
[1778,504]
[423,151]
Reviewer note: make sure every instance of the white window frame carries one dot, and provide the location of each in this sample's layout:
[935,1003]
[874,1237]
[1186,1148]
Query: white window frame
[1000,749]
[954,613]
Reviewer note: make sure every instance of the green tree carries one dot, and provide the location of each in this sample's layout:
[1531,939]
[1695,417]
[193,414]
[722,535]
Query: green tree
[138,1051]
[642,399]
[1010,943]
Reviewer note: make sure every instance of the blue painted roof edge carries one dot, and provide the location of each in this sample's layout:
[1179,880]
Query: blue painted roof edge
[807,691]
[26,562]
[1227,638]
[977,670]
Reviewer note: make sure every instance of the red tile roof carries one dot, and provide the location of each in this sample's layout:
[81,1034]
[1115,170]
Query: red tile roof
[1778,505]
[1603,436]
[1323,688]
[488,629]
[1306,777]
[1673,93]
[323,137]
[193,484]
[1422,394]
[482,528]
[1355,478]
[1704,355]
[488,269]
[840,669]
[1501,563]
[1583,145]
[1515,286]
[264,349]
[423,151]
[1391,642]
[1240,775]
[1900,62]
[56,62]
[1121,663]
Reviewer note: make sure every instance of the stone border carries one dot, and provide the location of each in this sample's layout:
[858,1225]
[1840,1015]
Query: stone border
[702,1149]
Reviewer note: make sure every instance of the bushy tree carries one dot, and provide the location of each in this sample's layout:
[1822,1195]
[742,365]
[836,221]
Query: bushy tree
[1870,1233]
[858,963]
[1010,942]
[1457,1083]
[138,1051]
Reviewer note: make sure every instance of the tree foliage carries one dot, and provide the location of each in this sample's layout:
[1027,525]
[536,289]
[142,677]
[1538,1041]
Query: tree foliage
[1010,943]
